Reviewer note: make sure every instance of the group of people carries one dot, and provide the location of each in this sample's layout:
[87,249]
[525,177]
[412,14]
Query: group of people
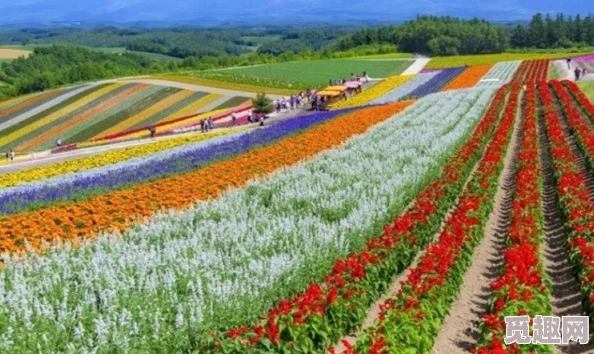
[10,155]
[294,101]
[364,77]
[206,125]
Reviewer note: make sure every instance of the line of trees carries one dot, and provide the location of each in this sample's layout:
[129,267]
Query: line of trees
[558,32]
[452,36]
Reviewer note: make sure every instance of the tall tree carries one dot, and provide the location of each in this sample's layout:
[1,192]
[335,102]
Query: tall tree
[538,33]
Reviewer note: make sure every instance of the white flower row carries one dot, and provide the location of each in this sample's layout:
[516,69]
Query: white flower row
[406,88]
[501,73]
[226,261]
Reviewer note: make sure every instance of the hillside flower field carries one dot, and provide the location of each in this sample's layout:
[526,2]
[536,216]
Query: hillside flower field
[410,218]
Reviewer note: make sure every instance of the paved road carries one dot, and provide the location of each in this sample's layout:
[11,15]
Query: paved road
[49,104]
[193,87]
[417,66]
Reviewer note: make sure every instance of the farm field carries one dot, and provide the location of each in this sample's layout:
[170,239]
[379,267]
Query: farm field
[301,75]
[102,109]
[410,218]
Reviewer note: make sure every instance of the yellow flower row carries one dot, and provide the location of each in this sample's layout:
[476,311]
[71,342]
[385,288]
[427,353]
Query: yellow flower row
[147,113]
[58,114]
[373,92]
[108,158]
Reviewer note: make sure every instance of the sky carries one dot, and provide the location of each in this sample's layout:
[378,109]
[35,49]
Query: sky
[15,11]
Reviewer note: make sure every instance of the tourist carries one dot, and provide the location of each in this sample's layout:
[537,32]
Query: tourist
[262,121]
[584,73]
[11,154]
[249,116]
[210,123]
[202,125]
[233,119]
[577,73]
[8,155]
[59,142]
[568,63]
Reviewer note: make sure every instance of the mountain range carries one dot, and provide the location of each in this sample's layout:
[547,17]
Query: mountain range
[266,12]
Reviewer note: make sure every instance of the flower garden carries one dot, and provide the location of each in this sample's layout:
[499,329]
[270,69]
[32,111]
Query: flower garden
[354,230]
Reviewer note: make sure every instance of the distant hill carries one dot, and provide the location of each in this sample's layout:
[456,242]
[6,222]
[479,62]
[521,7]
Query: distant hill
[217,12]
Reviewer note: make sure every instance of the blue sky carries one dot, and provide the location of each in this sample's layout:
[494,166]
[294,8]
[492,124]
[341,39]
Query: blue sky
[177,10]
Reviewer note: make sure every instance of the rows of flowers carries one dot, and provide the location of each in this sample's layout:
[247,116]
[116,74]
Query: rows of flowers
[173,161]
[411,319]
[166,284]
[374,92]
[118,210]
[403,90]
[532,70]
[578,125]
[436,83]
[16,134]
[574,195]
[16,106]
[84,109]
[468,78]
[153,110]
[581,98]
[521,289]
[312,320]
[500,73]
[122,111]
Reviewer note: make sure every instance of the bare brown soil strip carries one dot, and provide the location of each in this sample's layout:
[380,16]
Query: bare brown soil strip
[13,53]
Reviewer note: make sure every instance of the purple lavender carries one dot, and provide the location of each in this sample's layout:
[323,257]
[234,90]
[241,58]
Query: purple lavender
[436,83]
[102,180]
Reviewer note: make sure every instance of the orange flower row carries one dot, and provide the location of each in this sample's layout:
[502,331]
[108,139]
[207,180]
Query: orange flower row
[468,78]
[27,102]
[119,209]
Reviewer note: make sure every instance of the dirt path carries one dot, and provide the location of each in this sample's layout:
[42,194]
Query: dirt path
[417,66]
[460,330]
[193,87]
[566,298]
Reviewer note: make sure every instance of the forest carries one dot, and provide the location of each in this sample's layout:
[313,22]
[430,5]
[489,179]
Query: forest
[442,36]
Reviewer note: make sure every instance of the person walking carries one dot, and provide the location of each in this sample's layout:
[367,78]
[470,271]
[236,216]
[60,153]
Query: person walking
[202,125]
[210,123]
[11,155]
[584,73]
[577,73]
[58,142]
[249,117]
[568,63]
[233,119]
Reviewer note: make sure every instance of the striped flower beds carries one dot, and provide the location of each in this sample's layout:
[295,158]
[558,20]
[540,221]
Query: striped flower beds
[500,73]
[470,77]
[18,133]
[45,136]
[153,110]
[150,167]
[137,99]
[398,93]
[374,92]
[120,209]
[20,105]
[436,83]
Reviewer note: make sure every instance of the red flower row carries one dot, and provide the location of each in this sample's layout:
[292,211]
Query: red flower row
[520,290]
[532,70]
[574,196]
[327,310]
[408,319]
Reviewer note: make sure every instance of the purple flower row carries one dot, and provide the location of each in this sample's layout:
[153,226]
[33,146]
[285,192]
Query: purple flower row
[188,158]
[436,83]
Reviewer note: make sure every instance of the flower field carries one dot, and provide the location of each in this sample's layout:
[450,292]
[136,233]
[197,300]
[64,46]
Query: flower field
[412,218]
[374,92]
[102,110]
